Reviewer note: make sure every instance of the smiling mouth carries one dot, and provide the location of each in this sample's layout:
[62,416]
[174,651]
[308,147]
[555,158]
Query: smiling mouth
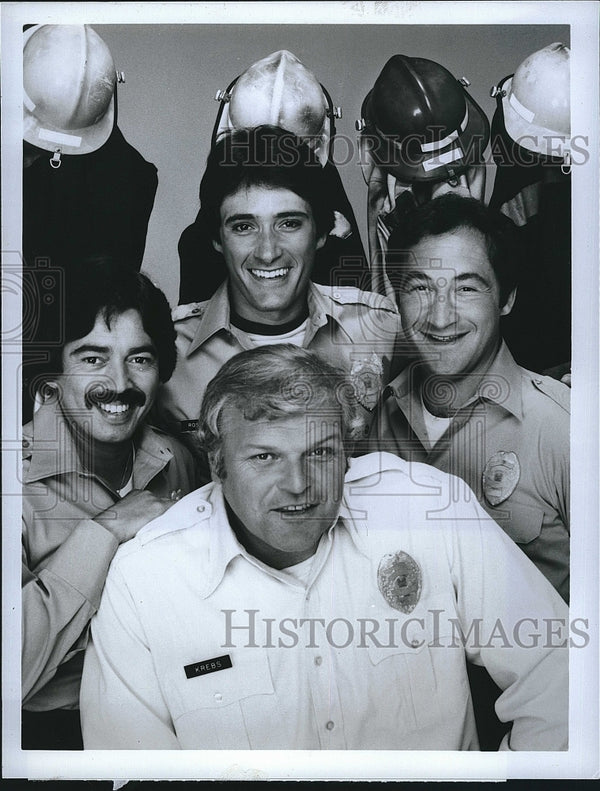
[114,408]
[295,509]
[442,338]
[270,274]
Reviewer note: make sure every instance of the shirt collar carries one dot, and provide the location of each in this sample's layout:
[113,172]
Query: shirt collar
[224,546]
[501,385]
[214,318]
[217,314]
[54,451]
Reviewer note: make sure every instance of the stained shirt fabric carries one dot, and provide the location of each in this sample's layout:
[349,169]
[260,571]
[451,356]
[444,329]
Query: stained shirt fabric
[199,645]
[514,411]
[66,554]
[355,330]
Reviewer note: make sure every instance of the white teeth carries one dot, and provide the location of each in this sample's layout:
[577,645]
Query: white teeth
[443,338]
[114,408]
[293,508]
[269,274]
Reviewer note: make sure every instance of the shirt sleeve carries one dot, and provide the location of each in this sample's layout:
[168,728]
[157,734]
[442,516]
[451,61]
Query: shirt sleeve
[122,705]
[59,600]
[516,625]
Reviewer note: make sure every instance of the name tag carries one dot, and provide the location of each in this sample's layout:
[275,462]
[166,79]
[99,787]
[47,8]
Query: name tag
[189,425]
[207,666]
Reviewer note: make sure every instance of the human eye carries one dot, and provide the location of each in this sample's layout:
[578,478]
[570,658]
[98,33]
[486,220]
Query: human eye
[323,452]
[93,360]
[291,224]
[264,457]
[241,227]
[143,360]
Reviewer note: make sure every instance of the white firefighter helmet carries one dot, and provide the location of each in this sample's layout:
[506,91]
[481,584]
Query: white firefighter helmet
[279,90]
[536,102]
[69,83]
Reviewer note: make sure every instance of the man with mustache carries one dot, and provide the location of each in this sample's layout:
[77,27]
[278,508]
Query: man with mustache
[94,473]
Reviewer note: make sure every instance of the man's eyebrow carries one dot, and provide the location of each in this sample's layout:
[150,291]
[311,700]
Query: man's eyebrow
[87,347]
[247,217]
[147,348]
[473,276]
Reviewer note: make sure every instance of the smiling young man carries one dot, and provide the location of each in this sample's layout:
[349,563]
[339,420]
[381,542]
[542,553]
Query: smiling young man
[264,197]
[93,473]
[463,404]
[300,601]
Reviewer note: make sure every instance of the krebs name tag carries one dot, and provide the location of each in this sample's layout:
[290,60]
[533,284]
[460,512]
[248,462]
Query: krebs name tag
[207,666]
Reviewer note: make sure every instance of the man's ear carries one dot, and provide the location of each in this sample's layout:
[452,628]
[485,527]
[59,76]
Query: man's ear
[510,301]
[217,245]
[321,241]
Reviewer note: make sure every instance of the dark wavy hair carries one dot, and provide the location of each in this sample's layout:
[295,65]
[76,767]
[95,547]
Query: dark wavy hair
[108,287]
[264,156]
[450,212]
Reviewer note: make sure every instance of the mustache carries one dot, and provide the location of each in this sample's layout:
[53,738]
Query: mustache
[100,394]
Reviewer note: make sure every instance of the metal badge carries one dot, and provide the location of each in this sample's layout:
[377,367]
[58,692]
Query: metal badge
[400,581]
[367,379]
[500,476]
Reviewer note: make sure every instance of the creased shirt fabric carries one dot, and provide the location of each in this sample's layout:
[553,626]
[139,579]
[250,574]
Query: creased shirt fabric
[185,594]
[346,327]
[66,554]
[515,411]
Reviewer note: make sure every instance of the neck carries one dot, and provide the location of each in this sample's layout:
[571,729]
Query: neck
[275,558]
[109,461]
[295,313]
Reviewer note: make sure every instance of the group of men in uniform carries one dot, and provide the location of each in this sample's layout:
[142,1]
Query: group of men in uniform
[280,565]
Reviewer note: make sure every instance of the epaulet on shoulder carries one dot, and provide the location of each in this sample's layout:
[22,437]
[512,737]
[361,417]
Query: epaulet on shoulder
[374,463]
[559,392]
[349,295]
[193,310]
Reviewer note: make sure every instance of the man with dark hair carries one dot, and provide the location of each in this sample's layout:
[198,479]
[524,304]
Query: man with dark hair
[463,404]
[93,473]
[300,601]
[265,201]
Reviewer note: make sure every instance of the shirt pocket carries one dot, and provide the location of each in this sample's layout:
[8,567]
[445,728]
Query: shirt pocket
[524,522]
[208,710]
[428,678]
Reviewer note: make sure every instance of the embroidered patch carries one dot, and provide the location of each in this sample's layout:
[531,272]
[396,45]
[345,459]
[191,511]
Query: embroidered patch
[207,666]
[367,378]
[188,426]
[400,581]
[500,476]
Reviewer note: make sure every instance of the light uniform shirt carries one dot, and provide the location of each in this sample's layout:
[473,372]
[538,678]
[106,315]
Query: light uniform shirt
[330,662]
[510,444]
[355,330]
[66,554]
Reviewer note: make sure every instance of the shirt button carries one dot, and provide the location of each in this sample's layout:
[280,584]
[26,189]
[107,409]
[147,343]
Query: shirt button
[329,725]
[318,660]
[218,697]
[201,509]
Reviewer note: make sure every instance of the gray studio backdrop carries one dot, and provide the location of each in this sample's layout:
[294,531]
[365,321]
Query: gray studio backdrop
[167,108]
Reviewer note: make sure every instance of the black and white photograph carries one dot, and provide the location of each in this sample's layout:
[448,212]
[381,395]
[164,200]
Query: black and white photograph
[300,356]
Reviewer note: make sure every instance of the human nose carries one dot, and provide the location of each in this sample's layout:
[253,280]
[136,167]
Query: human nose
[442,311]
[119,376]
[267,246]
[294,477]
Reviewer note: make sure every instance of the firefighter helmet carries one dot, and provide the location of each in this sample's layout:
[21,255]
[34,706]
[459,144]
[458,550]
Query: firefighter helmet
[69,81]
[536,102]
[279,90]
[420,122]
